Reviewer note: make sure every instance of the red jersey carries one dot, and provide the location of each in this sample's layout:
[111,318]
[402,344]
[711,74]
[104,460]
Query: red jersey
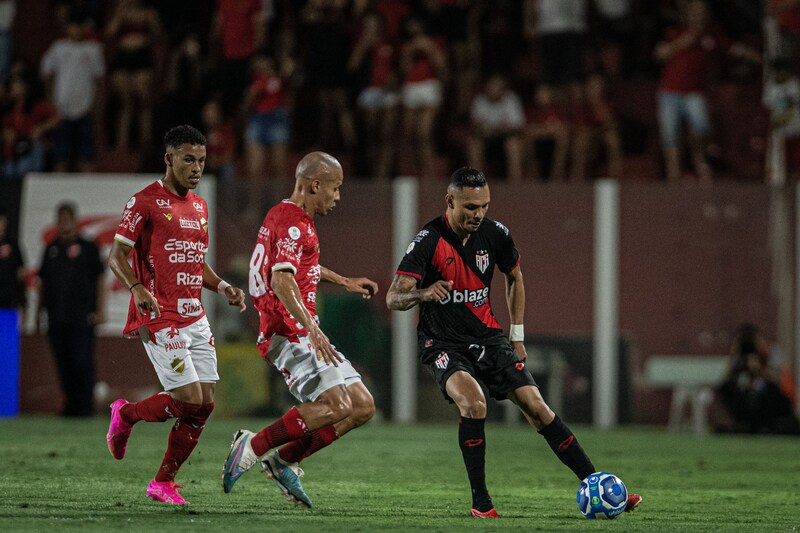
[687,71]
[237,19]
[382,65]
[169,237]
[270,93]
[287,240]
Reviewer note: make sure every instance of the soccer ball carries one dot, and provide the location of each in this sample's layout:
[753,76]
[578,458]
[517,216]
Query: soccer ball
[602,495]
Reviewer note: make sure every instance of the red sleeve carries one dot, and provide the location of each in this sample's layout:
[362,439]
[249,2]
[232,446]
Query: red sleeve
[134,218]
[286,245]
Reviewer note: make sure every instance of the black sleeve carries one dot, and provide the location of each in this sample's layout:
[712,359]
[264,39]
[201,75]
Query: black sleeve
[419,254]
[507,254]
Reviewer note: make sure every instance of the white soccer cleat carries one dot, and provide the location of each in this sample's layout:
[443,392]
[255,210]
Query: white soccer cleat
[240,459]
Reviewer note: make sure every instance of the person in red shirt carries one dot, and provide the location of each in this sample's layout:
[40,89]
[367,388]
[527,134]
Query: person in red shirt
[25,123]
[545,124]
[284,274]
[164,230]
[221,149]
[267,136]
[373,60]
[688,54]
[239,30]
[423,64]
[596,128]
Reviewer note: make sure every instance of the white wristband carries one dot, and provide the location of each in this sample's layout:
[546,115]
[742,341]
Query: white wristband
[222,286]
[516,332]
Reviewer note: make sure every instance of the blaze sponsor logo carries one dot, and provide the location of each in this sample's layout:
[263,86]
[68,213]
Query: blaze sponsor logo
[193,280]
[442,361]
[477,297]
[189,307]
[177,345]
[190,223]
[178,365]
[160,202]
[482,260]
[168,216]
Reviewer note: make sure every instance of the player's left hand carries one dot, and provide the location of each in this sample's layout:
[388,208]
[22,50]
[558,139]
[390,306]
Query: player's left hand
[519,349]
[363,286]
[235,297]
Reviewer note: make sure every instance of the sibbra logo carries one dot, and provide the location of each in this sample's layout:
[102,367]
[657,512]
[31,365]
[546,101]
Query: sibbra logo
[476,297]
[189,307]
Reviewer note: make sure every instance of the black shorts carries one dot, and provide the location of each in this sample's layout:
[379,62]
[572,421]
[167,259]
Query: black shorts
[495,367]
[133,60]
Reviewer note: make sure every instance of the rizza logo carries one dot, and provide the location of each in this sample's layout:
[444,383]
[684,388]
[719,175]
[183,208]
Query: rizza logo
[476,297]
[189,307]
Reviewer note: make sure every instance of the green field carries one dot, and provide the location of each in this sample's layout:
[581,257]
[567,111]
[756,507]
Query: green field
[58,474]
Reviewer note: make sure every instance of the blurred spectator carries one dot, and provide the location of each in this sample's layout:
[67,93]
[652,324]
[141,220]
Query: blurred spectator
[373,63]
[8,9]
[614,26]
[87,10]
[752,391]
[596,127]
[133,32]
[497,121]
[267,136]
[71,276]
[185,77]
[500,32]
[221,147]
[394,12]
[26,122]
[787,16]
[561,27]
[782,98]
[688,54]
[73,68]
[423,64]
[546,130]
[12,269]
[239,27]
[327,53]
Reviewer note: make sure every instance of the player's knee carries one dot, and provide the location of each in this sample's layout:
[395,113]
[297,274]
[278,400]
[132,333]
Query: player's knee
[340,408]
[472,408]
[363,412]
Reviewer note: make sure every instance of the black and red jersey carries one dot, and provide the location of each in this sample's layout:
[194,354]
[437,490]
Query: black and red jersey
[436,253]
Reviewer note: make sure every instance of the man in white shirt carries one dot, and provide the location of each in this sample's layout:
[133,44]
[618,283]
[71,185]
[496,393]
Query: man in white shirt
[497,120]
[73,66]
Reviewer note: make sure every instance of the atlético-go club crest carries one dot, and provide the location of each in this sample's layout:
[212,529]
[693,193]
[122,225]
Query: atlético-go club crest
[482,260]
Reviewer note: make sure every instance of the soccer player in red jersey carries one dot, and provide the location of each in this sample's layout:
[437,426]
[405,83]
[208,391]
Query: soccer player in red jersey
[284,273]
[447,271]
[164,229]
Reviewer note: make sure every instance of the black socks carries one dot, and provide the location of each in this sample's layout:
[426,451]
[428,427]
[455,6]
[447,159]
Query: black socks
[567,448]
[472,441]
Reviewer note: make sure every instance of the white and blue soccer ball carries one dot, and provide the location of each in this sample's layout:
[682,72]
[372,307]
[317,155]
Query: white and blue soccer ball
[602,495]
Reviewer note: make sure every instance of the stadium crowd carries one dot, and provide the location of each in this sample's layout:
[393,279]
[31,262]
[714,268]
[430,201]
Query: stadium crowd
[528,89]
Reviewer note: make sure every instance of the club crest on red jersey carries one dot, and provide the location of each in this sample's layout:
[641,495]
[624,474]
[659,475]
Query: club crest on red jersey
[482,260]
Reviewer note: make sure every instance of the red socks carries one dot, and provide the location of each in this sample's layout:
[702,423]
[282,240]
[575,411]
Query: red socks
[156,408]
[182,439]
[289,427]
[299,449]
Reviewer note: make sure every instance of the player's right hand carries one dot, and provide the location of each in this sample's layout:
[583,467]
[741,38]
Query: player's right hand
[323,347]
[145,302]
[437,291]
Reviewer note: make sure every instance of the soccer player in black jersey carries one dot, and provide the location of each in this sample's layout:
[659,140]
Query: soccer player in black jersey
[447,271]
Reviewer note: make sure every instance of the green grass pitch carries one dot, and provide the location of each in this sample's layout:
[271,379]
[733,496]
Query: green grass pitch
[58,475]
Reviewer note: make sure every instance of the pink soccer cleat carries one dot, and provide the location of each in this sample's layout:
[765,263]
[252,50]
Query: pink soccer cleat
[166,492]
[633,501]
[118,431]
[491,513]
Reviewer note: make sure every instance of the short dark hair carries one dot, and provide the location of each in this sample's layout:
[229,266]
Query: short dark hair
[467,177]
[67,206]
[184,134]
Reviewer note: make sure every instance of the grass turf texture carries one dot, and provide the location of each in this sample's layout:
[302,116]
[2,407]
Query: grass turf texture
[58,474]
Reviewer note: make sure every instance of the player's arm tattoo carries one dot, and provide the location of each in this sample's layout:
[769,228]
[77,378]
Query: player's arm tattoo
[402,294]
